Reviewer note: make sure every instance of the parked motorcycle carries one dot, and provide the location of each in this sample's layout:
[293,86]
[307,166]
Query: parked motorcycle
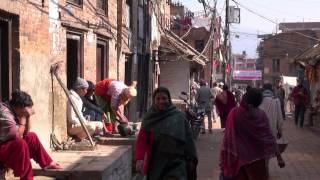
[195,115]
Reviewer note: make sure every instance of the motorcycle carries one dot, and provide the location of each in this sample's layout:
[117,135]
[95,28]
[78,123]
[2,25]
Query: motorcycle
[195,115]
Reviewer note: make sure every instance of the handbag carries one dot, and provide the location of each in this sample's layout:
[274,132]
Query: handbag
[282,143]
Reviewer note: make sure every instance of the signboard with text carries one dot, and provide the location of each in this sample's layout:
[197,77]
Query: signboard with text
[247,75]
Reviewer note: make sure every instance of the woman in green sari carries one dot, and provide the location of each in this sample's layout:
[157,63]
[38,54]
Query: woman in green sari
[165,149]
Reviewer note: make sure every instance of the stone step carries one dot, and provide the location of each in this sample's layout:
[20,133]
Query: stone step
[106,162]
[117,140]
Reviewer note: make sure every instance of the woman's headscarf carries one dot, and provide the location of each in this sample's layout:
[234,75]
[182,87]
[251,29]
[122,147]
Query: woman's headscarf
[162,90]
[247,136]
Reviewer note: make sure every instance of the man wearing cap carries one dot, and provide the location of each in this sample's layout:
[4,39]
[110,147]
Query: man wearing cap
[79,90]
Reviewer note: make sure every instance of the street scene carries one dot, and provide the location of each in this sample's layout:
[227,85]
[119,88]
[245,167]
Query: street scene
[159,90]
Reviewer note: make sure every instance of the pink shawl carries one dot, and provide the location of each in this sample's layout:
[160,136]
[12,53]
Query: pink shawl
[247,138]
[224,109]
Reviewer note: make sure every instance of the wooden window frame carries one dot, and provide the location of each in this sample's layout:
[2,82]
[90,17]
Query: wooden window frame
[80,4]
[196,43]
[276,68]
[102,11]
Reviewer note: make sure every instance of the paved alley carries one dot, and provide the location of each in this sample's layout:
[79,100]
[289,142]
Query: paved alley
[302,156]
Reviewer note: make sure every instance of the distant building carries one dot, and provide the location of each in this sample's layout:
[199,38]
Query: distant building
[243,63]
[197,37]
[298,26]
[277,53]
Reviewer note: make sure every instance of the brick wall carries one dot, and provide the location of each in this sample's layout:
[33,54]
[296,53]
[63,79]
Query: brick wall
[285,47]
[42,41]
[30,59]
[202,34]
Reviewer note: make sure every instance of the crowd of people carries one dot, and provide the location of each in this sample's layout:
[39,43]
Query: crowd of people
[165,149]
[98,106]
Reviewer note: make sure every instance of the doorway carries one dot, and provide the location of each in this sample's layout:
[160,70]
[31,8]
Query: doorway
[9,54]
[102,60]
[74,57]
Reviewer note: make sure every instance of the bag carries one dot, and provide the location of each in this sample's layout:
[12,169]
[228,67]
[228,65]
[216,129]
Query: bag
[222,177]
[125,130]
[282,144]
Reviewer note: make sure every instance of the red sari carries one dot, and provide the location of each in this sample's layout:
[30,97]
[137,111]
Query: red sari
[225,107]
[247,140]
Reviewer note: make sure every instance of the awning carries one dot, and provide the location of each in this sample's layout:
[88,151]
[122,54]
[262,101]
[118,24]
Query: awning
[310,56]
[173,44]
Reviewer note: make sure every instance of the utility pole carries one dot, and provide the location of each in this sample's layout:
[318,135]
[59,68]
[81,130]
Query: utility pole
[213,26]
[225,45]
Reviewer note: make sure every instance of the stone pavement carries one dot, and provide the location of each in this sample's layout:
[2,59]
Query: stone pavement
[107,162]
[302,156]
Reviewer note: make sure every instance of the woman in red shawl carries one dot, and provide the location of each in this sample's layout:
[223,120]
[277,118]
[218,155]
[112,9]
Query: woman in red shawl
[224,102]
[248,141]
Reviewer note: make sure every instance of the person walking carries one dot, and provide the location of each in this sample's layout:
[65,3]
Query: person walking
[215,90]
[248,141]
[280,93]
[271,106]
[224,102]
[300,98]
[165,148]
[204,100]
[238,94]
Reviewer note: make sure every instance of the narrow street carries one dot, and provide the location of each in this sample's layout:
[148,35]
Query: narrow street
[302,155]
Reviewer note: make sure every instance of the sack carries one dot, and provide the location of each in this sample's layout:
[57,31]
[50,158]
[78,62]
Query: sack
[125,130]
[282,144]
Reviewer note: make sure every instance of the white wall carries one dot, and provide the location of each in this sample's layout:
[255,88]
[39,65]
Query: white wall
[175,76]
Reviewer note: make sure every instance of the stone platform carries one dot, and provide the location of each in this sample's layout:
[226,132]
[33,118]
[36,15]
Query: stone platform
[107,162]
[117,140]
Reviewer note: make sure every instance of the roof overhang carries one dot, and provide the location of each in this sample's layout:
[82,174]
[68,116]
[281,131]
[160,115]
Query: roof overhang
[171,43]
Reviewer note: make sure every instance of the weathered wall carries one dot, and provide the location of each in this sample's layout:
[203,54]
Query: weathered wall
[90,24]
[34,76]
[175,76]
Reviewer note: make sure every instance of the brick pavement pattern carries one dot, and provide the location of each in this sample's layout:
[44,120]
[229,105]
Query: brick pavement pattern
[302,155]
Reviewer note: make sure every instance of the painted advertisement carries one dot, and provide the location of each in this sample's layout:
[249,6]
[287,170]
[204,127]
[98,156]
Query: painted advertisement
[247,75]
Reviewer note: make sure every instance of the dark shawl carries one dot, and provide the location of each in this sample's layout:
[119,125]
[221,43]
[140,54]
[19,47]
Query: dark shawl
[173,143]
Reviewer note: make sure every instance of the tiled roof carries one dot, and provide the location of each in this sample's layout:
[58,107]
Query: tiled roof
[312,53]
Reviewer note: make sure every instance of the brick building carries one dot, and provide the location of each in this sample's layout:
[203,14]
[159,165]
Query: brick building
[170,54]
[277,53]
[242,63]
[90,38]
[25,62]
[197,38]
